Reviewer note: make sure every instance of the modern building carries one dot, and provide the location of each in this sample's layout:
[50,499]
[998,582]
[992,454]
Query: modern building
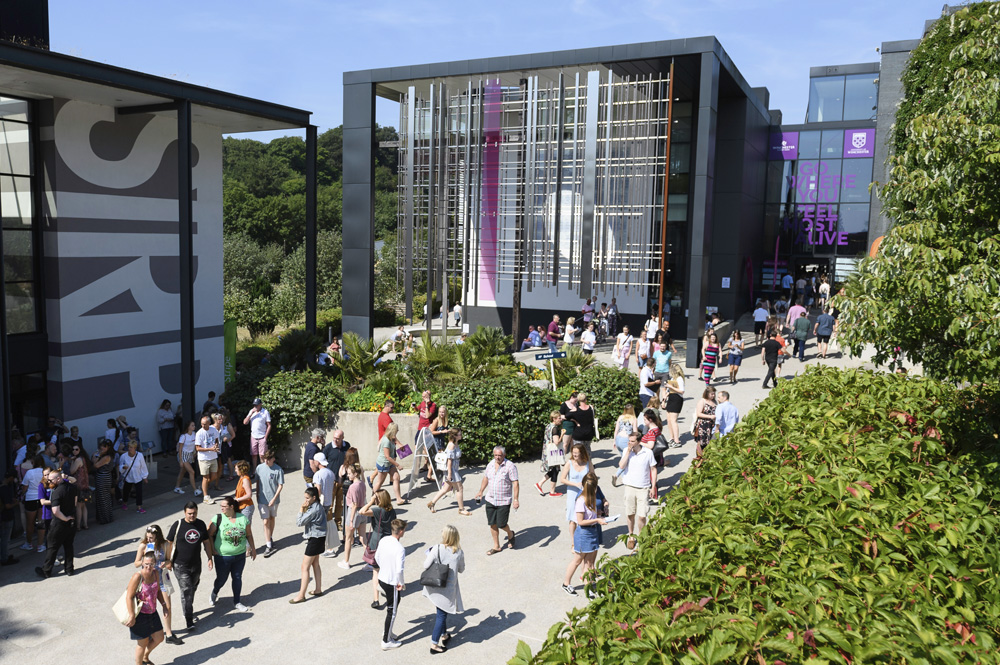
[111,201]
[537,181]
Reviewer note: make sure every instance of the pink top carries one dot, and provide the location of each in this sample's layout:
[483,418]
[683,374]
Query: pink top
[147,594]
[356,494]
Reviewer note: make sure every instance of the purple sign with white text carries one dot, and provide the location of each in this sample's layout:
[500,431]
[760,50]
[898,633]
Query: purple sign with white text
[859,143]
[784,145]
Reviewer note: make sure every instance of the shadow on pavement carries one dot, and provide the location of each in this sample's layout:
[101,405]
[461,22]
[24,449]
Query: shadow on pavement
[542,536]
[209,653]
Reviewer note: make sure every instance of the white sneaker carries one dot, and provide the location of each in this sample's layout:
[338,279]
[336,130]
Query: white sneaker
[178,490]
[344,565]
[197,492]
[215,597]
[240,607]
[391,645]
[27,547]
[41,548]
[208,500]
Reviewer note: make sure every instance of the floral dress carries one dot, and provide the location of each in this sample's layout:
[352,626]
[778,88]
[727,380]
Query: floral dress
[705,425]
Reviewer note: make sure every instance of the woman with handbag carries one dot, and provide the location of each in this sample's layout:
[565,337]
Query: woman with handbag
[141,595]
[447,599]
[386,464]
[651,420]
[232,538]
[704,423]
[153,542]
[674,388]
[132,475]
[625,425]
[381,512]
[552,451]
[623,348]
[312,517]
[452,481]
[586,537]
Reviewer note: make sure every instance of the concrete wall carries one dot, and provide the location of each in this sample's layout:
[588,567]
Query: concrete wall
[360,430]
[111,264]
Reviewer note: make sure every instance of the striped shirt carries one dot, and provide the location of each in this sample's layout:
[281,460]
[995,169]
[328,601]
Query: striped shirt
[501,480]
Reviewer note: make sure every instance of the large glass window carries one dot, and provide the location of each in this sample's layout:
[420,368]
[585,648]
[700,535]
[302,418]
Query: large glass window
[809,143]
[853,221]
[826,98]
[828,184]
[17,218]
[832,146]
[855,180]
[860,97]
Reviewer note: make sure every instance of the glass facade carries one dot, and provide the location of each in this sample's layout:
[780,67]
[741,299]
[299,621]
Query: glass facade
[17,211]
[850,97]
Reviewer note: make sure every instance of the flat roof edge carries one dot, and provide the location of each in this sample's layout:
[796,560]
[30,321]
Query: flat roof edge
[851,68]
[900,46]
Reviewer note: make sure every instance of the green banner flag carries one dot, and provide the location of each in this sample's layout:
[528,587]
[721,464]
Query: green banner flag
[229,337]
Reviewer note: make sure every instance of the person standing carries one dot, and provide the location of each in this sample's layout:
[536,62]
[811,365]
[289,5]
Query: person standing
[552,334]
[824,329]
[334,451]
[588,312]
[705,420]
[577,467]
[259,420]
[427,412]
[103,484]
[391,559]
[642,349]
[155,543]
[8,506]
[382,515]
[649,385]
[165,425]
[786,284]
[550,469]
[355,522]
[232,540]
[63,532]
[625,425]
[206,444]
[324,481]
[586,422]
[132,469]
[312,518]
[623,348]
[185,459]
[244,492]
[185,540]
[457,311]
[710,356]
[801,327]
[270,480]
[674,388]
[80,470]
[638,466]
[145,626]
[447,599]
[569,335]
[384,418]
[316,443]
[661,358]
[735,347]
[588,339]
[726,414]
[613,317]
[386,464]
[502,488]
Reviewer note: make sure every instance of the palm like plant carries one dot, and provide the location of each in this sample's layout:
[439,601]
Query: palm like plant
[430,358]
[361,360]
[570,367]
[297,350]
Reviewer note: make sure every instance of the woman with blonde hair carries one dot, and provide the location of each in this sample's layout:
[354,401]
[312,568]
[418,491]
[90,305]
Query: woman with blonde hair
[569,337]
[386,464]
[355,500]
[626,424]
[452,481]
[185,457]
[674,388]
[447,599]
[154,542]
[550,471]
[381,512]
[244,492]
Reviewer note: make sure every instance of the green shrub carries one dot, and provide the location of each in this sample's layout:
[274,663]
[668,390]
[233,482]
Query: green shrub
[367,399]
[385,318]
[329,318]
[839,523]
[298,349]
[295,398]
[608,390]
[499,412]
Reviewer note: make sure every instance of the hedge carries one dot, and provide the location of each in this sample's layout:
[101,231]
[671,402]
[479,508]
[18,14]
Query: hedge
[608,390]
[499,412]
[850,518]
[295,398]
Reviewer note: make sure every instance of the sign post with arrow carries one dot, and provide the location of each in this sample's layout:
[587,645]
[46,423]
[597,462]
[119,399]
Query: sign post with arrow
[551,356]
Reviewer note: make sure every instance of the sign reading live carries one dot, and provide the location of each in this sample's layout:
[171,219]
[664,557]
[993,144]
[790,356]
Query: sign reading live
[816,225]
[859,143]
[784,145]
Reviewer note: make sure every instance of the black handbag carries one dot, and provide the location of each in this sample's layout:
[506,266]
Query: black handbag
[660,446]
[436,574]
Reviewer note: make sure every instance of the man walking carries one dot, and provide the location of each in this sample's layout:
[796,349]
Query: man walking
[649,385]
[726,414]
[638,466]
[825,325]
[786,284]
[760,316]
[552,334]
[206,443]
[613,318]
[184,558]
[801,332]
[260,428]
[501,486]
[384,418]
[769,356]
[391,558]
[270,480]
[63,530]
[793,313]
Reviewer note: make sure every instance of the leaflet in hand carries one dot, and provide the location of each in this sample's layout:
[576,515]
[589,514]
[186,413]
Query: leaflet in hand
[613,518]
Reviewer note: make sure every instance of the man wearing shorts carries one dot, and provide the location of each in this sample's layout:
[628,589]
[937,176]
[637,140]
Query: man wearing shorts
[206,443]
[270,479]
[638,465]
[825,325]
[501,487]
[760,316]
[260,427]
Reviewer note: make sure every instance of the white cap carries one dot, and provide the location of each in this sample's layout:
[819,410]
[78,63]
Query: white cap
[320,459]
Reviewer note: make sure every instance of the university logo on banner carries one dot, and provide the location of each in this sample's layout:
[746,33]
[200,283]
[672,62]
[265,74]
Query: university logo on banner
[860,140]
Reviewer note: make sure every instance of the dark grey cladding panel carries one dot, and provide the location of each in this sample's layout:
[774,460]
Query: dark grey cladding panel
[903,46]
[106,344]
[166,272]
[93,396]
[841,70]
[123,303]
[144,227]
[72,273]
[170,377]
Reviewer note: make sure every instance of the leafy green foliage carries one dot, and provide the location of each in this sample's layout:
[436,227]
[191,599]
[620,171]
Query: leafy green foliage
[368,400]
[608,390]
[570,367]
[329,258]
[240,394]
[297,350]
[360,360]
[295,398]
[933,289]
[850,518]
[498,412]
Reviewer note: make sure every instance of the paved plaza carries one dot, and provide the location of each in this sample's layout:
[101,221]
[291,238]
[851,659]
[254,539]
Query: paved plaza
[514,595]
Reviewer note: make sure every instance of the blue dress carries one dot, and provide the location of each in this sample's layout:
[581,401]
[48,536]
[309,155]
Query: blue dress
[572,493]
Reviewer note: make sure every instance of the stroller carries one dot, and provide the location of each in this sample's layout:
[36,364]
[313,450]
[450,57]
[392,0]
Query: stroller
[601,328]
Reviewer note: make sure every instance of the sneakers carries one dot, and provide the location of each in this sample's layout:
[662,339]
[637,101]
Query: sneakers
[197,492]
[215,597]
[329,554]
[240,607]
[269,550]
[391,645]
[41,548]
[556,494]
[173,639]
[568,589]
[538,486]
[141,510]
[344,565]
[209,500]
[27,547]
[591,594]
[177,490]
[676,444]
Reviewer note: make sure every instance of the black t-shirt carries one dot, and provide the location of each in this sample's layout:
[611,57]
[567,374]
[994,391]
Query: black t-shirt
[771,348]
[8,495]
[311,450]
[187,551]
[564,409]
[64,496]
[584,424]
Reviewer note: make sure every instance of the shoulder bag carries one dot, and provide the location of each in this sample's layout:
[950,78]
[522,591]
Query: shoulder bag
[441,461]
[436,574]
[369,554]
[120,608]
[121,480]
[660,446]
[555,456]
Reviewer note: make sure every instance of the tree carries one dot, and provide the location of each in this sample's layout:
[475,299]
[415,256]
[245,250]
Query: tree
[933,289]
[329,258]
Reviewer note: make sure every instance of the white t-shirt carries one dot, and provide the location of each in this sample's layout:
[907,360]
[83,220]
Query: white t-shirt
[207,439]
[824,289]
[643,348]
[652,325]
[31,480]
[570,335]
[645,376]
[760,315]
[20,455]
[637,472]
[588,312]
[187,442]
[258,423]
[588,338]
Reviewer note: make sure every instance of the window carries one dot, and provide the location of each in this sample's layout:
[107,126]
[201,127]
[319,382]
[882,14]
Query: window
[17,217]
[809,143]
[853,221]
[832,146]
[826,99]
[855,180]
[861,97]
[828,184]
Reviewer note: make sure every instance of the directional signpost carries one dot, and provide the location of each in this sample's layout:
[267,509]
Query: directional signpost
[550,356]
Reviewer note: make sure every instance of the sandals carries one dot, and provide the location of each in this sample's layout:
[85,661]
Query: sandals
[492,551]
[316,593]
[296,601]
[510,543]
[404,502]
[430,506]
[465,512]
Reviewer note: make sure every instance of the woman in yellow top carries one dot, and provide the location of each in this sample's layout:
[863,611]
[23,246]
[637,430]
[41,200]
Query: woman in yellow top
[244,495]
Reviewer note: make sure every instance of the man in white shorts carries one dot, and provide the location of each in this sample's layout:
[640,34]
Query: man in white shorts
[260,427]
[270,479]
[638,465]
[206,443]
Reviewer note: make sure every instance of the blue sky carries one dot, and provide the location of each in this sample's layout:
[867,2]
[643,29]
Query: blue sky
[294,52]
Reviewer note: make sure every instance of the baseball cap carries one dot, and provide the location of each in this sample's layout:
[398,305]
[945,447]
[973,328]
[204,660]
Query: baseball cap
[320,459]
[257,402]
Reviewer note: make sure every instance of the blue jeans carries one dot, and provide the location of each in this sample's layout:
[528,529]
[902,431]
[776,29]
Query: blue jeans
[800,349]
[552,347]
[168,443]
[440,626]
[226,566]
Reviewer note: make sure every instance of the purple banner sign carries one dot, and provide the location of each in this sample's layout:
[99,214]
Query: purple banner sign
[784,145]
[859,143]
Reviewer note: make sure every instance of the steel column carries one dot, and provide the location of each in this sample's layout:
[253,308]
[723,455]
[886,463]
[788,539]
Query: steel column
[185,229]
[311,228]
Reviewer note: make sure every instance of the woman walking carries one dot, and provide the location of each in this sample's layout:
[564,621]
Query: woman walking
[447,599]
[230,533]
[569,336]
[586,537]
[623,348]
[386,464]
[705,413]
[154,543]
[312,518]
[625,425]
[572,476]
[709,357]
[355,521]
[80,469]
[452,481]
[133,471]
[643,348]
[674,388]
[382,514]
[145,626]
[103,485]
[651,420]
[550,470]
[185,459]
[735,347]
[32,480]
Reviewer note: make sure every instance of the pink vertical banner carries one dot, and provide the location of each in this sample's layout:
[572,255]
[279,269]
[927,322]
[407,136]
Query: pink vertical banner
[774,278]
[489,222]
